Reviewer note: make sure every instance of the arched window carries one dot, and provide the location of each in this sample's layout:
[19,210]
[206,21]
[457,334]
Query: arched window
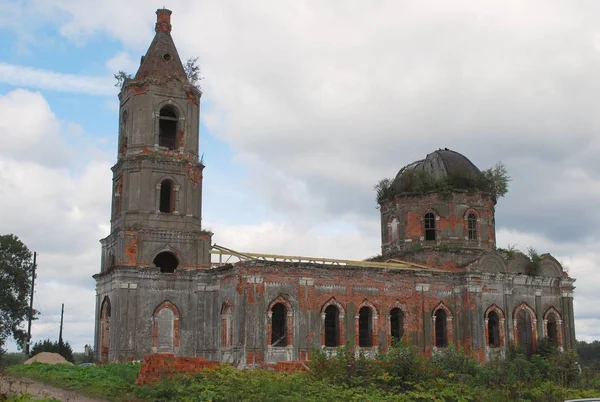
[429,223]
[525,331]
[166,328]
[167,127]
[226,325]
[365,327]
[493,323]
[396,324]
[167,196]
[105,329]
[441,328]
[166,261]
[472,226]
[279,325]
[123,136]
[332,326]
[551,329]
[394,228]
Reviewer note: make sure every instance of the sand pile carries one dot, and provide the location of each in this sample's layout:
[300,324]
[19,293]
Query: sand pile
[48,358]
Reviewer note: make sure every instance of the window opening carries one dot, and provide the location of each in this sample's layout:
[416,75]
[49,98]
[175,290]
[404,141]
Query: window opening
[472,226]
[167,197]
[429,221]
[105,330]
[278,325]
[167,128]
[166,261]
[365,327]
[332,326]
[441,328]
[551,330]
[164,320]
[493,329]
[394,228]
[397,324]
[524,332]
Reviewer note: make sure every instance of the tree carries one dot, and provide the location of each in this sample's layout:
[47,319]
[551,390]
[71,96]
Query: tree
[192,71]
[121,77]
[53,347]
[15,285]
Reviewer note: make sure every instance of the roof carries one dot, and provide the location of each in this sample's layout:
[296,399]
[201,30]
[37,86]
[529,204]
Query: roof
[438,164]
[162,60]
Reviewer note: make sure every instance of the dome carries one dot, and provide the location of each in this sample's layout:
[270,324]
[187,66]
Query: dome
[438,164]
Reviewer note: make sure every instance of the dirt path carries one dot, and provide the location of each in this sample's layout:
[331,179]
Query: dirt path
[16,386]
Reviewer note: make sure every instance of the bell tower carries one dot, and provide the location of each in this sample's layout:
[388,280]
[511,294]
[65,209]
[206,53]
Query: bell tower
[157,180]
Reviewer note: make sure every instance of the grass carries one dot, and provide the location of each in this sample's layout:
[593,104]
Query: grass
[114,382]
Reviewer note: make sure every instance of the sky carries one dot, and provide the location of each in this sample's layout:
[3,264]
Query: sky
[306,105]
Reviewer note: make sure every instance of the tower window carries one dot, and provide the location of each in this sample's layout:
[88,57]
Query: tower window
[332,327]
[472,226]
[167,128]
[278,325]
[396,324]
[429,222]
[166,261]
[167,197]
[365,327]
[394,229]
[441,328]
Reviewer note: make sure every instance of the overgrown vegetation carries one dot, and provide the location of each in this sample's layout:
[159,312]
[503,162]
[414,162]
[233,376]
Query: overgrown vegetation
[535,262]
[493,181]
[400,375]
[191,68]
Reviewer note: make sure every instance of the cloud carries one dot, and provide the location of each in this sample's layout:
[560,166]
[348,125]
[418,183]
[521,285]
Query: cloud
[321,100]
[23,76]
[60,210]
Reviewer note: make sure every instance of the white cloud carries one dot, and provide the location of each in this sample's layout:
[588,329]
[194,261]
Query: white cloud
[321,100]
[58,210]
[122,61]
[23,76]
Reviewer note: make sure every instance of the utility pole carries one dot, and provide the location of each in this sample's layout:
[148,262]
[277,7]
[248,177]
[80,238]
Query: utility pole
[62,312]
[28,340]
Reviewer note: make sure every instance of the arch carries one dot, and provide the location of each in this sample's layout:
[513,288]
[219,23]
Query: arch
[429,226]
[550,267]
[525,333]
[168,124]
[167,261]
[472,223]
[280,323]
[393,229]
[494,327]
[105,312]
[366,325]
[442,326]
[166,327]
[553,327]
[491,262]
[226,324]
[332,323]
[167,196]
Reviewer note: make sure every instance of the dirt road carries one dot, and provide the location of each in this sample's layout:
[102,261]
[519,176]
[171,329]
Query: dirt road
[16,386]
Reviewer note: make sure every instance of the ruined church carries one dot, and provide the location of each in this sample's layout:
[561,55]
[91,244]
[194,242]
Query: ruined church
[163,287]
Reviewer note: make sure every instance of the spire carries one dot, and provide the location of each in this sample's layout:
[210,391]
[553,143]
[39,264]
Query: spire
[162,61]
[163,20]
